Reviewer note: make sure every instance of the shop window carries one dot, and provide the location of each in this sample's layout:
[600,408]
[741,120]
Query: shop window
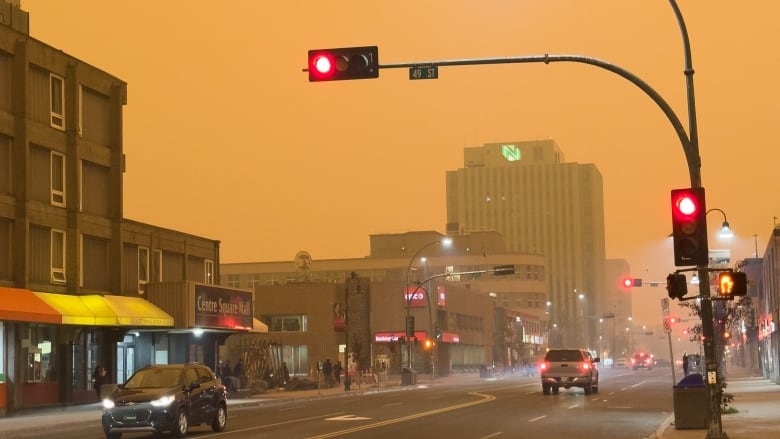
[209,264]
[40,365]
[287,323]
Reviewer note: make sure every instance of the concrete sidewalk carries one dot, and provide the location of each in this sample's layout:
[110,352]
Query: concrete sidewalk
[757,401]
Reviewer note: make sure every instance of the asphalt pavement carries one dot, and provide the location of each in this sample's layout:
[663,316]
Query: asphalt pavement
[756,400]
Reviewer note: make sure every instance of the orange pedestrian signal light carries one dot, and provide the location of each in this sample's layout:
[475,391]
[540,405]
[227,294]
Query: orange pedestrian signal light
[343,63]
[731,284]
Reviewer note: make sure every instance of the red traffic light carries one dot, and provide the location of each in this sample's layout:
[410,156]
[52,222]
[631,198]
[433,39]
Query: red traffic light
[689,227]
[343,63]
[628,282]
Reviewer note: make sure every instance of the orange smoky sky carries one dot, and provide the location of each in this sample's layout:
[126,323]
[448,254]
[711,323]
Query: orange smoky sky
[226,138]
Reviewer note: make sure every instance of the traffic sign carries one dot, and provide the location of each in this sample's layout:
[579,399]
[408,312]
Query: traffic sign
[424,72]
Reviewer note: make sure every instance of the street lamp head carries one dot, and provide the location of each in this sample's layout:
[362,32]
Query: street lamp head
[725,231]
[446,242]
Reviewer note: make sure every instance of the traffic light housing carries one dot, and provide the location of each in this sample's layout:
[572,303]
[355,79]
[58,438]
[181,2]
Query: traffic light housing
[676,285]
[629,282]
[343,63]
[689,227]
[437,333]
[732,284]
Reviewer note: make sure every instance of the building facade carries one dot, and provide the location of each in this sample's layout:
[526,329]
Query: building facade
[449,286]
[74,273]
[542,205]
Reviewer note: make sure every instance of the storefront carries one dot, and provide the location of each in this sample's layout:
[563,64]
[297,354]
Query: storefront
[51,343]
[205,316]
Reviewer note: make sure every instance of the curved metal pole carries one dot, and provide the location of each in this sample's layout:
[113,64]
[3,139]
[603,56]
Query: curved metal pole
[691,153]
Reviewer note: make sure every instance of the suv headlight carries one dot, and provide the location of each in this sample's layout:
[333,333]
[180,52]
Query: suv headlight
[164,401]
[108,404]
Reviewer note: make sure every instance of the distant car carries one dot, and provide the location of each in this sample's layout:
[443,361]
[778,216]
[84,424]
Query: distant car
[620,362]
[569,368]
[642,360]
[162,398]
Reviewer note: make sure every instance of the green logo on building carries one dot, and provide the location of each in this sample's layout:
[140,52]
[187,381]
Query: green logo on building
[511,153]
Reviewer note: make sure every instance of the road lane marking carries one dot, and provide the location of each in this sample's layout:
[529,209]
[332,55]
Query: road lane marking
[393,404]
[276,424]
[574,406]
[347,418]
[537,418]
[485,398]
[498,433]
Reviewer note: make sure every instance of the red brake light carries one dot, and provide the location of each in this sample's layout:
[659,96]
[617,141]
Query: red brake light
[584,366]
[544,366]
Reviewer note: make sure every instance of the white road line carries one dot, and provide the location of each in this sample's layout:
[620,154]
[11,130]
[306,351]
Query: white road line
[498,433]
[537,418]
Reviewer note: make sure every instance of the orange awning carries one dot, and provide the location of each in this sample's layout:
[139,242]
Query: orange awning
[23,305]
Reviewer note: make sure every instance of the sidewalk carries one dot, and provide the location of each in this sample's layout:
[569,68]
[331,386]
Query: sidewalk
[757,401]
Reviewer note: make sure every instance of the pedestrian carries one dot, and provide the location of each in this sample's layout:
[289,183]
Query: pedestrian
[285,373]
[337,372]
[100,377]
[238,373]
[327,371]
[685,363]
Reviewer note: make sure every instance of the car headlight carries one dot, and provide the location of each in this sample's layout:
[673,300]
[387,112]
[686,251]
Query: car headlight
[108,404]
[164,401]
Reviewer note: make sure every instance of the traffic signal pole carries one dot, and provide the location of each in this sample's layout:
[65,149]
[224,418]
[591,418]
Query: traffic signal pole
[689,141]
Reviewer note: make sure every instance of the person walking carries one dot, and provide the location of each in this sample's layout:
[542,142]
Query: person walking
[337,372]
[685,363]
[327,371]
[100,377]
[285,374]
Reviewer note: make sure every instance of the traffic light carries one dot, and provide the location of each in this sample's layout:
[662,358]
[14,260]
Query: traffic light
[731,284]
[689,227]
[629,282]
[437,332]
[343,63]
[676,285]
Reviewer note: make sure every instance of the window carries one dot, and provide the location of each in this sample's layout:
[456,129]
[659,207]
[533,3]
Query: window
[294,323]
[58,256]
[57,101]
[233,281]
[209,264]
[143,269]
[254,280]
[57,179]
[157,265]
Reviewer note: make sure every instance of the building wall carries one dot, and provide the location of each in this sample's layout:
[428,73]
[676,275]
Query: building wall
[544,206]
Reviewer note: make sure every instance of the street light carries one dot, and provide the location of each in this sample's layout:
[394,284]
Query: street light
[725,229]
[445,242]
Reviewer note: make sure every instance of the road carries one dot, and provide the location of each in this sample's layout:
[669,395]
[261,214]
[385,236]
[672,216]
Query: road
[630,405]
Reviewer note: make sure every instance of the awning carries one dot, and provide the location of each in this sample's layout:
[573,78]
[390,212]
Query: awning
[23,305]
[72,310]
[134,311]
[258,326]
[108,310]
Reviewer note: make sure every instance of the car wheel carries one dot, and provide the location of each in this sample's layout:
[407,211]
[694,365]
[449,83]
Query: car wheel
[596,387]
[220,418]
[588,388]
[545,389]
[182,424]
[113,435]
[555,390]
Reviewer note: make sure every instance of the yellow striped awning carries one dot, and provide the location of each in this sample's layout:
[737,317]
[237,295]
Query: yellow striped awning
[105,310]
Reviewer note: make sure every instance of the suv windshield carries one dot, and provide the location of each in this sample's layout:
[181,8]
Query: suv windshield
[150,378]
[564,355]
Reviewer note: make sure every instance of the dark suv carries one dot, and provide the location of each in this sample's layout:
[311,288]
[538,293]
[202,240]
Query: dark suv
[569,368]
[163,398]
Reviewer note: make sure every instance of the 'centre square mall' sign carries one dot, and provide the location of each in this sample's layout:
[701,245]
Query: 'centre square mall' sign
[217,307]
